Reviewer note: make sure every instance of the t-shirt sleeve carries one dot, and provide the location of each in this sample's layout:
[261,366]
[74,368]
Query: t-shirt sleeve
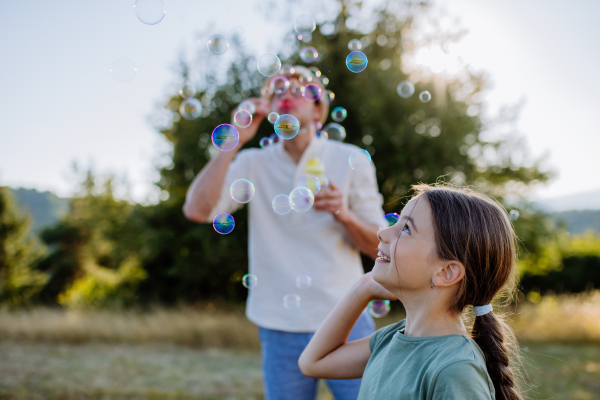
[238,169]
[364,198]
[462,380]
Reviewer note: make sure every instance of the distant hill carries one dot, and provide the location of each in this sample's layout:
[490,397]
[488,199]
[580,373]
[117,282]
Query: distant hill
[579,221]
[582,201]
[46,208]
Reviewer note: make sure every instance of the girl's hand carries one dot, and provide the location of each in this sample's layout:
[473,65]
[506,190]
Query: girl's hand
[374,290]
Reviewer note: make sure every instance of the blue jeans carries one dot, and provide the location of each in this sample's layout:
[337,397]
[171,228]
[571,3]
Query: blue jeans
[282,377]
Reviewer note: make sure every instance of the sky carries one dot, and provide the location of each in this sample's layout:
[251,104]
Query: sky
[60,103]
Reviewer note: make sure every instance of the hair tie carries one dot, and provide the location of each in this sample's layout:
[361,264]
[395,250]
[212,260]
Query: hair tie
[482,310]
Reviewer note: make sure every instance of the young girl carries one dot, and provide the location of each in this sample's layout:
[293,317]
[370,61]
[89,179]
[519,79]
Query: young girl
[451,248]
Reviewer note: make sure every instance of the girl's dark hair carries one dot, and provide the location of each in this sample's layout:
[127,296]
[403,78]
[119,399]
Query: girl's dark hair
[475,230]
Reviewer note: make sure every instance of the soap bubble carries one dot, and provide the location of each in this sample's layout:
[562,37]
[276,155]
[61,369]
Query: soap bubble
[356,61]
[514,215]
[223,223]
[315,71]
[266,92]
[264,142]
[282,204]
[322,135]
[225,137]
[317,125]
[242,118]
[268,65]
[150,12]
[405,89]
[390,219]
[248,106]
[272,117]
[190,108]
[249,281]
[274,138]
[297,91]
[312,92]
[328,96]
[359,159]
[378,308]
[187,90]
[303,281]
[305,24]
[335,131]
[123,69]
[217,44]
[237,34]
[242,191]
[279,84]
[324,182]
[424,96]
[287,70]
[291,301]
[311,182]
[287,126]
[354,45]
[302,199]
[324,80]
[305,78]
[309,54]
[339,114]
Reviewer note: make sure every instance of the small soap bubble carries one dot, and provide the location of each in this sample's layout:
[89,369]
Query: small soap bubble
[302,199]
[356,61]
[328,96]
[150,12]
[317,125]
[311,182]
[223,223]
[287,70]
[424,96]
[282,204]
[225,137]
[237,34]
[322,135]
[242,191]
[264,142]
[280,84]
[274,138]
[287,126]
[378,308]
[335,131]
[305,78]
[303,281]
[291,301]
[309,54]
[339,114]
[514,215]
[123,69]
[248,106]
[190,108]
[405,89]
[390,219]
[242,118]
[312,92]
[324,183]
[268,65]
[297,91]
[249,281]
[305,24]
[315,71]
[187,90]
[359,159]
[354,45]
[217,44]
[272,117]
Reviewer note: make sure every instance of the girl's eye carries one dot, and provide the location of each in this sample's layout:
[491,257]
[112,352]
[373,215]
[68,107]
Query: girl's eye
[406,229]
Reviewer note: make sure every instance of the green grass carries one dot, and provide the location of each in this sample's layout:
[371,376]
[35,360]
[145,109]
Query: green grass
[166,371]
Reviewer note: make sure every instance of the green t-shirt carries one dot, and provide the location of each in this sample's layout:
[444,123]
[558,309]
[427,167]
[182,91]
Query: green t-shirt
[424,368]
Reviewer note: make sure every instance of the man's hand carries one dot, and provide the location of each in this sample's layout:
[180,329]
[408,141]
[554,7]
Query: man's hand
[262,109]
[332,200]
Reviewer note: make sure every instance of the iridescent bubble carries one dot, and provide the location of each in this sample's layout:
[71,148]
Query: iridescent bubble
[225,137]
[305,24]
[249,281]
[354,45]
[309,54]
[379,308]
[242,118]
[272,117]
[274,138]
[324,183]
[237,34]
[264,142]
[405,89]
[287,126]
[217,44]
[150,12]
[359,159]
[282,204]
[328,96]
[303,281]
[302,199]
[223,223]
[356,61]
[390,220]
[190,108]
[123,69]
[248,106]
[424,96]
[297,91]
[315,71]
[322,135]
[339,114]
[312,92]
[287,70]
[317,125]
[279,84]
[242,191]
[305,78]
[187,90]
[324,80]
[291,301]
[514,215]
[268,65]
[311,182]
[335,131]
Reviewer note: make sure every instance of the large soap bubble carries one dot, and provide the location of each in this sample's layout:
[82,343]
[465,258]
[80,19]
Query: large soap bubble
[249,281]
[190,108]
[311,182]
[123,69]
[359,159]
[335,131]
[280,84]
[356,61]
[302,199]
[225,137]
[309,54]
[272,117]
[339,114]
[390,219]
[223,223]
[268,65]
[242,191]
[237,34]
[282,204]
[287,126]
[150,12]
[217,44]
[305,24]
[242,118]
[312,92]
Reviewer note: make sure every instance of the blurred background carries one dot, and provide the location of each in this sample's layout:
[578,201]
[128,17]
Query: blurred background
[108,292]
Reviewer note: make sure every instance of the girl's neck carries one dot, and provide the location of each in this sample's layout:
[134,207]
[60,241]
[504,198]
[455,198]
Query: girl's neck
[428,318]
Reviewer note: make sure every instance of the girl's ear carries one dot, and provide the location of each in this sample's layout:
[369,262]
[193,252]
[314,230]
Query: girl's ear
[451,273]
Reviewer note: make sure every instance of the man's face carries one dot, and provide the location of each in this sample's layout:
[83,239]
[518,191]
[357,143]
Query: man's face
[292,102]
